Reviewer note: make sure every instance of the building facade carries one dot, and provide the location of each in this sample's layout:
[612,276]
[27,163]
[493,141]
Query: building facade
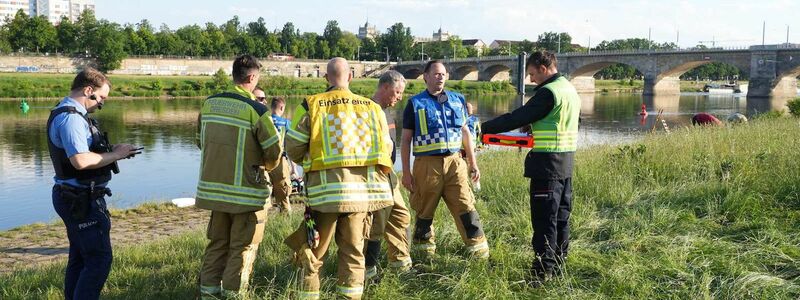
[369,31]
[477,44]
[9,8]
[54,10]
[440,36]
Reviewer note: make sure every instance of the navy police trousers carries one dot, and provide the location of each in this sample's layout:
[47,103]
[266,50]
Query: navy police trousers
[89,247]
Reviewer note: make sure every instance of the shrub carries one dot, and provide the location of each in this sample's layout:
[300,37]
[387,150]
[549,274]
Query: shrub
[775,114]
[156,85]
[279,82]
[221,81]
[794,107]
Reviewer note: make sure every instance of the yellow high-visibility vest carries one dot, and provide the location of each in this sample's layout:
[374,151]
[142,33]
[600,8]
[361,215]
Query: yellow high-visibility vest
[347,130]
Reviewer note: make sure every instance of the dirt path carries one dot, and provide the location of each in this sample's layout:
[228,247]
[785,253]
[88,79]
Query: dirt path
[42,243]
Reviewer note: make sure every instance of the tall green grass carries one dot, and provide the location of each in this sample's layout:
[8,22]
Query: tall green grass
[709,213]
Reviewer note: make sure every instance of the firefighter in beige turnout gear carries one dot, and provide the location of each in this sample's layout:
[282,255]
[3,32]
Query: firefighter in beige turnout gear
[435,125]
[239,144]
[342,141]
[391,223]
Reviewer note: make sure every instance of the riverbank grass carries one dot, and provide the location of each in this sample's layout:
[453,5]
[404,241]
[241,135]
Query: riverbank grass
[701,213]
[25,85]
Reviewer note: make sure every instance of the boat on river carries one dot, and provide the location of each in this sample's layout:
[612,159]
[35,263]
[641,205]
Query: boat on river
[725,88]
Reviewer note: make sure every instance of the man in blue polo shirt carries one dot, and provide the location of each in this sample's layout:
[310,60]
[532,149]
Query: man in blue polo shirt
[83,167]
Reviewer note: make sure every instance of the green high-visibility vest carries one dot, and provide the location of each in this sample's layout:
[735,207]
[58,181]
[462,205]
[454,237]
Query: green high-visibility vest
[558,131]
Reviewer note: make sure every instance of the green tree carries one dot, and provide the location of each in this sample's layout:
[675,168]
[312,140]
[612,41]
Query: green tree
[5,45]
[525,46]
[550,41]
[456,48]
[218,43]
[41,34]
[368,50]
[194,41]
[272,44]
[714,71]
[244,44]
[398,40]
[87,24]
[288,37]
[110,46]
[232,27]
[258,28]
[133,43]
[67,33]
[348,45]
[221,81]
[16,31]
[260,34]
[168,42]
[306,46]
[145,31]
[333,35]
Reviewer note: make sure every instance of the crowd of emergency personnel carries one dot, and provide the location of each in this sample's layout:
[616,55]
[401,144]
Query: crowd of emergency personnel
[346,146]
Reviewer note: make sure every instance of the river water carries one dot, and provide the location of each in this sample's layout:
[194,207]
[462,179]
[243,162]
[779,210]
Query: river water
[168,168]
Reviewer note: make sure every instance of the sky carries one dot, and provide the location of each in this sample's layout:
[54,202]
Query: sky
[730,23]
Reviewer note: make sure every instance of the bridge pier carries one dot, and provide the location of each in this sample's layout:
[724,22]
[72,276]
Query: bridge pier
[665,86]
[583,84]
[785,87]
[764,79]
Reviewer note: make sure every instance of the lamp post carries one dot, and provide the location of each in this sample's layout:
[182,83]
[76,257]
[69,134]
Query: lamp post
[589,30]
[359,53]
[387,54]
[559,43]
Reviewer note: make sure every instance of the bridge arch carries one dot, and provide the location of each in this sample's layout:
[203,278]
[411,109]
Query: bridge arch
[786,82]
[413,73]
[791,72]
[593,68]
[495,72]
[467,72]
[666,78]
[582,72]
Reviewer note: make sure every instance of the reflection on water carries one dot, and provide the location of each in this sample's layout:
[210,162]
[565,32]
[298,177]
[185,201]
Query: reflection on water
[168,168]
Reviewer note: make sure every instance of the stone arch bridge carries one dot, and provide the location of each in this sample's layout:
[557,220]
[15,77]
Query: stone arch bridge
[772,70]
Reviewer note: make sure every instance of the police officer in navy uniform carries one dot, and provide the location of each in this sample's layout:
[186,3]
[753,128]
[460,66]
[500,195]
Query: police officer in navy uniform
[83,166]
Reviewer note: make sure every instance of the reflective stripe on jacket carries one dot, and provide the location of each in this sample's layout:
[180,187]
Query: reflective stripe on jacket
[354,178]
[239,144]
[438,125]
[347,130]
[558,131]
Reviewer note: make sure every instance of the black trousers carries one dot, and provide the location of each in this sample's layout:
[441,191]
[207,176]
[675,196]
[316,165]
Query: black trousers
[551,204]
[90,252]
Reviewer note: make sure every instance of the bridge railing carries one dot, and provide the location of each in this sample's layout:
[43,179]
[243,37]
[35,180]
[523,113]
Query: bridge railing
[659,51]
[620,52]
[466,59]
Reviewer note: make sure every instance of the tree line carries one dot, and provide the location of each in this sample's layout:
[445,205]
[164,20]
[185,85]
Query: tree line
[110,43]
